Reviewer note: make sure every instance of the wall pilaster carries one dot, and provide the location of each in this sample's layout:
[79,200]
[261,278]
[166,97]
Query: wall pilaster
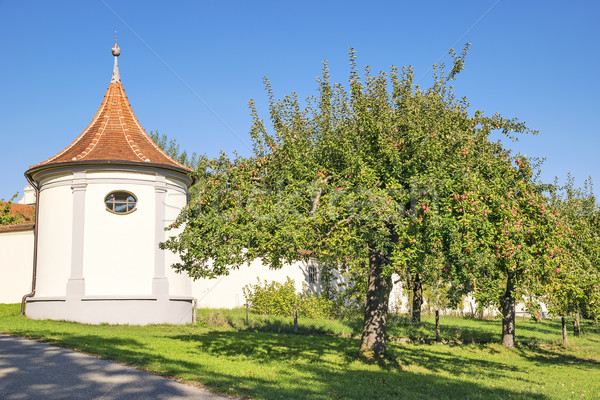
[160,282]
[76,283]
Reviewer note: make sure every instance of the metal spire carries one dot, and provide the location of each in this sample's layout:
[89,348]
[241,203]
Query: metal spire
[115,52]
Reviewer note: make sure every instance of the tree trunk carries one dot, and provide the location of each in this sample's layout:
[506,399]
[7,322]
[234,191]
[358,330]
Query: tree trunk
[376,310]
[576,326]
[508,314]
[417,300]
[563,321]
[437,326]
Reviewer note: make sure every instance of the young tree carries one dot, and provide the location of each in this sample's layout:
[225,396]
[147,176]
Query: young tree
[7,217]
[352,177]
[436,296]
[171,147]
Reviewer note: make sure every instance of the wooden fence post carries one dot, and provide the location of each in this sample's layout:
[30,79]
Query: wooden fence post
[194,311]
[295,318]
[437,326]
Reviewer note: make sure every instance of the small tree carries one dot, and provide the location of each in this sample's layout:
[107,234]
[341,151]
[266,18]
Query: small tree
[7,217]
[171,147]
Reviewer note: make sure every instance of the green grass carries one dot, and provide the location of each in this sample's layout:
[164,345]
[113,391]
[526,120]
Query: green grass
[266,360]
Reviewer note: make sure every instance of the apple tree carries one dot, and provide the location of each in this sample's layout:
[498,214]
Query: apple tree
[361,175]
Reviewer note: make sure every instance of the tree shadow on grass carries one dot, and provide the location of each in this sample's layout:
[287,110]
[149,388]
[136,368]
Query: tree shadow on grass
[401,326]
[300,367]
[534,328]
[485,331]
[391,377]
[543,356]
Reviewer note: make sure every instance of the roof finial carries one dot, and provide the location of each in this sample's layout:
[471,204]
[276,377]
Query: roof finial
[116,51]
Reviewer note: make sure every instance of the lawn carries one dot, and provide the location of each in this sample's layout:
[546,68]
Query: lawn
[267,360]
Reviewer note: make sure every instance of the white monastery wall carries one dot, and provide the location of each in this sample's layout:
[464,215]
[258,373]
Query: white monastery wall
[227,291]
[16,263]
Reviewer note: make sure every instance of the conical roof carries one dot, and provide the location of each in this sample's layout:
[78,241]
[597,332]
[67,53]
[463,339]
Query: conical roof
[114,135]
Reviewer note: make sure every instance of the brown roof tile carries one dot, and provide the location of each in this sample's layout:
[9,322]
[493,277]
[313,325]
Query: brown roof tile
[17,228]
[25,213]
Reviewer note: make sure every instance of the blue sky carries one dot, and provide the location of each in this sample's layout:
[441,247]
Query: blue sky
[190,67]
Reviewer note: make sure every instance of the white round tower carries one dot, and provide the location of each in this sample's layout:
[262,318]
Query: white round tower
[103,204]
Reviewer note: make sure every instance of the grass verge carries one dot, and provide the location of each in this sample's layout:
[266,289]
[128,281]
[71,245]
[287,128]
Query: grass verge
[266,360]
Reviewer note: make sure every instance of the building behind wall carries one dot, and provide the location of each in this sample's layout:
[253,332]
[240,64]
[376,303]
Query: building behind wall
[16,253]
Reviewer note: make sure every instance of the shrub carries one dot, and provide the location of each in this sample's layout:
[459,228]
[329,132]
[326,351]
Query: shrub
[279,299]
[271,298]
[312,306]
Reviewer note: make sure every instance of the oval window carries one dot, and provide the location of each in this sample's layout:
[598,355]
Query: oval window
[120,202]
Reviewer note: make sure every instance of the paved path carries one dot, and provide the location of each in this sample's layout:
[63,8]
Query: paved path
[32,370]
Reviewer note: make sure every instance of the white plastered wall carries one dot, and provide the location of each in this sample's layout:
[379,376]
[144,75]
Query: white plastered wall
[118,249]
[111,270]
[54,241]
[179,284]
[16,265]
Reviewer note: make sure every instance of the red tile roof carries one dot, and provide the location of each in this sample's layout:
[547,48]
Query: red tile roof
[26,215]
[17,228]
[114,135]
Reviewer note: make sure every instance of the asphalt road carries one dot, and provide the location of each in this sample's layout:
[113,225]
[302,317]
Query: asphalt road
[32,370]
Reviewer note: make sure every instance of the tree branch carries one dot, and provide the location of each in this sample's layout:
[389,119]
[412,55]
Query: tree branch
[315,201]
[336,224]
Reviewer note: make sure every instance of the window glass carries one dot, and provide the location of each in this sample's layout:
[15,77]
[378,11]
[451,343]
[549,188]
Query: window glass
[312,274]
[120,202]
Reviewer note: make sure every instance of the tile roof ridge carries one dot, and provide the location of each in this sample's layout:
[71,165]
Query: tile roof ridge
[103,125]
[122,109]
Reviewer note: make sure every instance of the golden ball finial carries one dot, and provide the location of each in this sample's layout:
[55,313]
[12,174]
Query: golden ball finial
[116,50]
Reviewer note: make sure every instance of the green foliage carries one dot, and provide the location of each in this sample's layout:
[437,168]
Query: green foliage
[171,147]
[272,298]
[509,236]
[436,296]
[345,286]
[279,299]
[576,286]
[381,170]
[6,216]
[311,305]
[344,177]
